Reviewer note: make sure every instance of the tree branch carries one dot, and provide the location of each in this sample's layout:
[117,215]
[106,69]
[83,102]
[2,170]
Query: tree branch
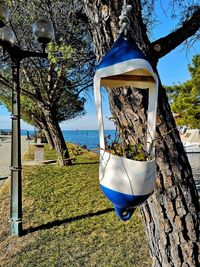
[34,96]
[29,94]
[166,44]
[5,81]
[90,83]
[29,79]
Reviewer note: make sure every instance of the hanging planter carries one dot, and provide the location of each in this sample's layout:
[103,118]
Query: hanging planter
[125,182]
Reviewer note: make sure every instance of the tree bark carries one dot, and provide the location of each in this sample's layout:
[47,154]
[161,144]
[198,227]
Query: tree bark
[49,139]
[171,213]
[42,125]
[57,137]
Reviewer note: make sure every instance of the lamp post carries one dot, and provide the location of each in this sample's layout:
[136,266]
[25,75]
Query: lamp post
[43,31]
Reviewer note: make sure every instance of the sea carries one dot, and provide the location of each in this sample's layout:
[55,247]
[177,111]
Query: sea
[90,138]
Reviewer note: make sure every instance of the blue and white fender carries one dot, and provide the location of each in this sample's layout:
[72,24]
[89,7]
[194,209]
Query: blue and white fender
[126,183]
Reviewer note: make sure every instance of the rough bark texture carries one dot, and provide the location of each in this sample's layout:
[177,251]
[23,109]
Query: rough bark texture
[128,108]
[171,214]
[42,125]
[57,137]
[48,137]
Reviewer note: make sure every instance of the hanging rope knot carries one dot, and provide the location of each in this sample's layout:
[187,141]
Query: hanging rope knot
[124,20]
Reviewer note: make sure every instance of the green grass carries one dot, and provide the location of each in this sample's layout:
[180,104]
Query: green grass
[51,154]
[68,222]
[48,154]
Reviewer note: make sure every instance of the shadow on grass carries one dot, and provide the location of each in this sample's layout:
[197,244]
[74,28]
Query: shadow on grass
[3,178]
[85,163]
[68,220]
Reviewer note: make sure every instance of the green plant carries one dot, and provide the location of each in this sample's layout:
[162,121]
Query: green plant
[135,152]
[77,150]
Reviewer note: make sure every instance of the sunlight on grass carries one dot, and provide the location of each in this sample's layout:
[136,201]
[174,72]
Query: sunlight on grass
[68,222]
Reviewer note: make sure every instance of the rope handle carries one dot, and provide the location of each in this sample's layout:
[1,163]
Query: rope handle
[124,20]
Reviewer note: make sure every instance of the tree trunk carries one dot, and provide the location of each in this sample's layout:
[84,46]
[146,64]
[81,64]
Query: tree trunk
[48,137]
[42,125]
[171,214]
[57,137]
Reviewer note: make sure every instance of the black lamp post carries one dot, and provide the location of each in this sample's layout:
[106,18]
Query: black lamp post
[44,32]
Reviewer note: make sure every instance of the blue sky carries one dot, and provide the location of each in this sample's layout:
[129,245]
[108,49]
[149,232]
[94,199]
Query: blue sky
[172,69]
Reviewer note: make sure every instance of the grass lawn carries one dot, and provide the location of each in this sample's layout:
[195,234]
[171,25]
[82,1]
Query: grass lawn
[68,222]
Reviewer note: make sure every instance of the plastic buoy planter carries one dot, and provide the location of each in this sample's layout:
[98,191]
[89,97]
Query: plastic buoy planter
[126,183]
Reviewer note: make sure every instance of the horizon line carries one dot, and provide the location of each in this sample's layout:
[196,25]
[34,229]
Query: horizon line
[7,129]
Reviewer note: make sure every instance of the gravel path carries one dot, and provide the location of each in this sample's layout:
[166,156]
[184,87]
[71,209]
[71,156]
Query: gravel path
[5,155]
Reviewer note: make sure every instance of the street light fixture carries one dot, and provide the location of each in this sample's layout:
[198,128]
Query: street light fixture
[4,14]
[7,35]
[44,32]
